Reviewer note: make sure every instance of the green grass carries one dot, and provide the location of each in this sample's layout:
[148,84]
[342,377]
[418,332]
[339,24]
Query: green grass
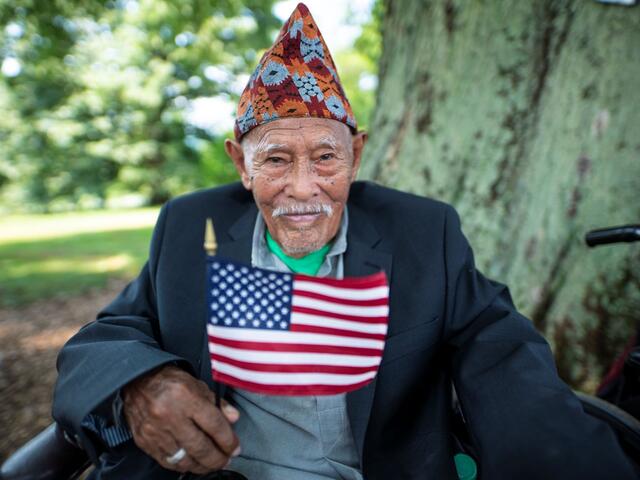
[44,256]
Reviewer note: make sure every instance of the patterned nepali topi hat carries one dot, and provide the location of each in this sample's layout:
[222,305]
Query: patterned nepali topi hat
[296,77]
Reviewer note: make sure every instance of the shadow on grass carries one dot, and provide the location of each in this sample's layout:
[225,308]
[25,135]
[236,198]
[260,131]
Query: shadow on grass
[66,265]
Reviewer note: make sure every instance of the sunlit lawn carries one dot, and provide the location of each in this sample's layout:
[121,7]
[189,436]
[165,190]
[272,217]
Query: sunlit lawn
[42,256]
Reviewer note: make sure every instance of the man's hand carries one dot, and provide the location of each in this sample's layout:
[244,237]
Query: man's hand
[168,409]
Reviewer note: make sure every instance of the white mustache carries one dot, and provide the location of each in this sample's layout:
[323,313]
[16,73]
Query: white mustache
[302,209]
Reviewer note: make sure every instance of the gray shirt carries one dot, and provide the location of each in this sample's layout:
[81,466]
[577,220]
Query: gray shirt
[295,437]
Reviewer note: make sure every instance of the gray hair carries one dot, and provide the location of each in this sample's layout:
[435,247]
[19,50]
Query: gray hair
[303,209]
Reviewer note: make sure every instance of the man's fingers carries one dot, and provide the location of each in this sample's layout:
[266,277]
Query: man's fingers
[187,464]
[229,411]
[158,443]
[166,446]
[201,449]
[214,423]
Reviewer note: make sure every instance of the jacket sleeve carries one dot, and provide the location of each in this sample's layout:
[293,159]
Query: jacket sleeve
[108,353]
[525,421]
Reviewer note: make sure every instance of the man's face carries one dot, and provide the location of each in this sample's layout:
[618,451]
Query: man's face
[299,171]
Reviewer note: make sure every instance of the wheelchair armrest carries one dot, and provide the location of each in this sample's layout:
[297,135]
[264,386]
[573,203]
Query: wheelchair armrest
[622,423]
[47,456]
[625,426]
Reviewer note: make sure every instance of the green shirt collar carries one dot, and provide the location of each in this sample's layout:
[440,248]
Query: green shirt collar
[308,265]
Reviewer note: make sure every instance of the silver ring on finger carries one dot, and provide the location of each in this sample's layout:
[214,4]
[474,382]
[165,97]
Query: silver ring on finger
[176,457]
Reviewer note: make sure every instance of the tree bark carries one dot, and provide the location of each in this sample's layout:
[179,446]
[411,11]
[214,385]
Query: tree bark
[526,117]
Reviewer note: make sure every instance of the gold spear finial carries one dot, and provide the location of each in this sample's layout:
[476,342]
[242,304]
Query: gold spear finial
[210,244]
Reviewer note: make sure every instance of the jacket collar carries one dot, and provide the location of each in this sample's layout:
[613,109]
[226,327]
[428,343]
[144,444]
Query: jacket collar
[237,244]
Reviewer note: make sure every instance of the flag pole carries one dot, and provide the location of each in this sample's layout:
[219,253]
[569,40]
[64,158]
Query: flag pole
[210,244]
[211,247]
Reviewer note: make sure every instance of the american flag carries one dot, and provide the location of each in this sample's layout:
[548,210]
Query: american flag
[290,334]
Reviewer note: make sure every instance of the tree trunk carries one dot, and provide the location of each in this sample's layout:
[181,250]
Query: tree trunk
[526,117]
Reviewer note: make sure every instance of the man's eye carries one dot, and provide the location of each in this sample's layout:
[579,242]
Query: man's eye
[275,160]
[326,156]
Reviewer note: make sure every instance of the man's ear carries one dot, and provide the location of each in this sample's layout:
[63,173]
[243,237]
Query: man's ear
[359,140]
[236,154]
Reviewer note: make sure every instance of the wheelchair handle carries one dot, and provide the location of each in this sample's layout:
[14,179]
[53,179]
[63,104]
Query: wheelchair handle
[603,236]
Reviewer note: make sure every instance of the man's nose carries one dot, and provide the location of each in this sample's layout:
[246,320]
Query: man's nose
[302,183]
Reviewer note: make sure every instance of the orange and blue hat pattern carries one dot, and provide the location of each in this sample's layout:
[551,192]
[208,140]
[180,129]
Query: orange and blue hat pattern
[296,77]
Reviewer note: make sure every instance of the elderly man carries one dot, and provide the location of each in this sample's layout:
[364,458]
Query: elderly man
[135,386]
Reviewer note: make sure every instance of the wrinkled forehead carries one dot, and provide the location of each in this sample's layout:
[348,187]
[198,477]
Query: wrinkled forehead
[295,133]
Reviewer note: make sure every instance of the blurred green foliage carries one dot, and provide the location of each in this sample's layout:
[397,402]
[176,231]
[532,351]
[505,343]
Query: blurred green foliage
[105,87]
[43,256]
[100,104]
[358,67]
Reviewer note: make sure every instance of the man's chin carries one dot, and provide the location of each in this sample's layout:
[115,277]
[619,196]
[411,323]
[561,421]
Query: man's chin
[299,247]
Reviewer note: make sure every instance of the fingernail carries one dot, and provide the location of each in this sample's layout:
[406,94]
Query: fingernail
[237,451]
[229,410]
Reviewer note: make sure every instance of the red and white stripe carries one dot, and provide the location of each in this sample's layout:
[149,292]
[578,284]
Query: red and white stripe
[334,344]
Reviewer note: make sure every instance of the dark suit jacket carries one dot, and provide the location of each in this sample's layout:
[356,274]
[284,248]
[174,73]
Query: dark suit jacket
[447,322]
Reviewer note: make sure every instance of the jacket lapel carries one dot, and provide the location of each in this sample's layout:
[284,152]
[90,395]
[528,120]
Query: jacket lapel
[362,259]
[237,245]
